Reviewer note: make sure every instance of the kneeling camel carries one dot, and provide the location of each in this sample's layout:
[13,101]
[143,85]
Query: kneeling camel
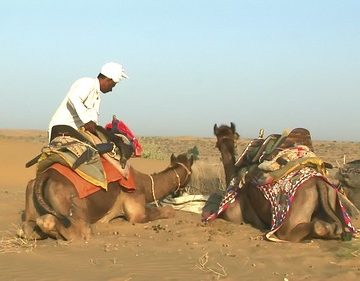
[54,209]
[314,213]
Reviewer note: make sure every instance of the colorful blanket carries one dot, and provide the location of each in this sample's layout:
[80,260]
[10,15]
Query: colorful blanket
[230,197]
[119,127]
[65,150]
[86,188]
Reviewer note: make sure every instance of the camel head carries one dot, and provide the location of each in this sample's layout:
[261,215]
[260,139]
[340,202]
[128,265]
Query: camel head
[181,165]
[226,137]
[226,133]
[182,159]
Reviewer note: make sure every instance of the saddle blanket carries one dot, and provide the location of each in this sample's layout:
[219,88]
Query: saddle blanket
[229,198]
[86,188]
[281,195]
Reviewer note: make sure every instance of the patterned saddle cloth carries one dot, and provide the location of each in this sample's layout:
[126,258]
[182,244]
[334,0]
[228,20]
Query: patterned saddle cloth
[65,150]
[85,188]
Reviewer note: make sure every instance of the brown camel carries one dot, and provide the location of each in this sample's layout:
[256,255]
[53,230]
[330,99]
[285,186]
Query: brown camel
[349,177]
[314,213]
[53,208]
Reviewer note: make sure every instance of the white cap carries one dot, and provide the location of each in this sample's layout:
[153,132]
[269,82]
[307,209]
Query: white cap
[114,71]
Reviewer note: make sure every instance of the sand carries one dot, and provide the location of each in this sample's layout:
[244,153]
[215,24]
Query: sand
[182,248]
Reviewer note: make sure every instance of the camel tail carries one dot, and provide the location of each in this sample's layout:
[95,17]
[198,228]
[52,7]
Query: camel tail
[39,186]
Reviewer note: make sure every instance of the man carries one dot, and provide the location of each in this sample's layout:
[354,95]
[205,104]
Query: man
[80,108]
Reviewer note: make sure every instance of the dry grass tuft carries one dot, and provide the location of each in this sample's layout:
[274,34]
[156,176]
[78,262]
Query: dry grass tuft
[11,243]
[207,178]
[203,265]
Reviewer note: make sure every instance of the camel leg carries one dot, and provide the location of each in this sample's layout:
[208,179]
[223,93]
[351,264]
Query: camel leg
[329,208]
[322,229]
[233,213]
[155,213]
[297,233]
[297,226]
[299,223]
[50,225]
[316,229]
[73,225]
[29,229]
[250,215]
[115,211]
[136,211]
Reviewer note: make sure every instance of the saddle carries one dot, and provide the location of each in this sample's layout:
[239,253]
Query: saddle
[261,149]
[298,136]
[64,131]
[78,150]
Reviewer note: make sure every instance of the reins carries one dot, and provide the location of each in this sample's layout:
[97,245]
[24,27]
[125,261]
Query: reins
[188,173]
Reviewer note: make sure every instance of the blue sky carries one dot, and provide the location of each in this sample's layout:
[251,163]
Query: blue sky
[260,64]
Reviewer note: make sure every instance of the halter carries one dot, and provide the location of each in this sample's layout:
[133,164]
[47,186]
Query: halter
[220,139]
[188,173]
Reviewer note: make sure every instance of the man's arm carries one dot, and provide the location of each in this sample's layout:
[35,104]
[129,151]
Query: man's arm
[85,101]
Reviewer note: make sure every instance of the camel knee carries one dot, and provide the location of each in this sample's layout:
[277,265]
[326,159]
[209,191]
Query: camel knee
[327,230]
[233,213]
[295,233]
[136,217]
[135,212]
[46,222]
[30,231]
[321,229]
[167,211]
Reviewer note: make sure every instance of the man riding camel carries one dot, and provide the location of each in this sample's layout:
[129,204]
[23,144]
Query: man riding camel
[79,111]
[80,108]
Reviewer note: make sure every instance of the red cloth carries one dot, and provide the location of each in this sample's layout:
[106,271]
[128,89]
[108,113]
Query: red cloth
[123,129]
[85,188]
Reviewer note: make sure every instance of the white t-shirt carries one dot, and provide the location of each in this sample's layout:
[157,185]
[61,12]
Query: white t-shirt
[81,104]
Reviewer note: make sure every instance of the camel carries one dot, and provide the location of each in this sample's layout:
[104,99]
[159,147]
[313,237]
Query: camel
[349,177]
[54,209]
[314,213]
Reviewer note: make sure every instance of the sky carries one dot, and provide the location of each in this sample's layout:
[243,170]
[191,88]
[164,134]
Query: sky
[275,65]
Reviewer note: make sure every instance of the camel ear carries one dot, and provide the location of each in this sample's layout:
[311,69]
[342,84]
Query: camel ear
[191,160]
[172,158]
[215,128]
[233,127]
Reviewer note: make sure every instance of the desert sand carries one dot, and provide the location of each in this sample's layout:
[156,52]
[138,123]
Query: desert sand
[182,248]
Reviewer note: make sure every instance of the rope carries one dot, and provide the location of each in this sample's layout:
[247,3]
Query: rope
[178,179]
[153,191]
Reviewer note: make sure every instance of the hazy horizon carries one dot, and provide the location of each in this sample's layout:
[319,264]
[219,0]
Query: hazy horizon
[260,64]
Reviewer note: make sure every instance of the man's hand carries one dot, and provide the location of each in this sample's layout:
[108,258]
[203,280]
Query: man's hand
[90,126]
[125,172]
